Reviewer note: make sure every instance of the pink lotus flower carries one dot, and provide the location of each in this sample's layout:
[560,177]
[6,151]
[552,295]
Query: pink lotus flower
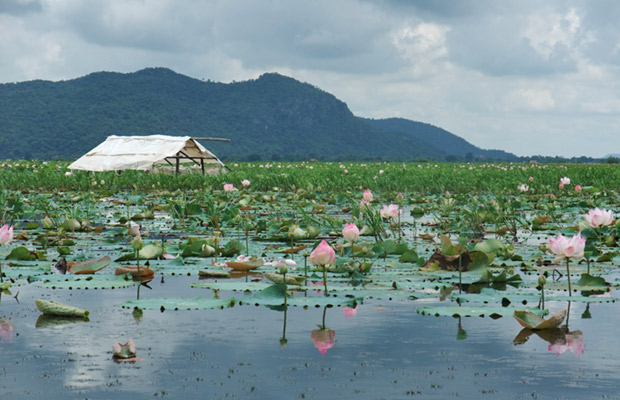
[245,183]
[6,234]
[565,181]
[367,195]
[390,211]
[578,188]
[598,218]
[323,339]
[229,187]
[531,179]
[364,203]
[323,254]
[568,248]
[351,232]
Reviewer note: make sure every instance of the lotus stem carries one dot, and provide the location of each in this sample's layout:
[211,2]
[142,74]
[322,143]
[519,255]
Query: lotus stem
[570,291]
[325,279]
[460,272]
[306,267]
[285,289]
[139,275]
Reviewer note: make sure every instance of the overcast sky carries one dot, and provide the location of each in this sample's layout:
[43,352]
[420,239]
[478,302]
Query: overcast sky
[529,77]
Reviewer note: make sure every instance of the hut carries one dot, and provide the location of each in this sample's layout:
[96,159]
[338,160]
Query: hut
[157,153]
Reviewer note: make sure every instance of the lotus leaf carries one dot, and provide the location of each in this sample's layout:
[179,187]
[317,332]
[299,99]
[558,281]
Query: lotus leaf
[533,321]
[51,307]
[196,303]
[89,266]
[83,282]
[233,286]
[473,311]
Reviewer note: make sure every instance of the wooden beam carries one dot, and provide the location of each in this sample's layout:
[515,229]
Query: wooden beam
[189,158]
[212,139]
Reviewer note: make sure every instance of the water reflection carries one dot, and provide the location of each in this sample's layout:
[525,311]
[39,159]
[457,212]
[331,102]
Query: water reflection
[283,339]
[461,334]
[560,339]
[350,312]
[323,338]
[7,330]
[51,321]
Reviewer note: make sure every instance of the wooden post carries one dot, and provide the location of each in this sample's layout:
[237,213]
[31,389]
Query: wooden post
[177,166]
[202,165]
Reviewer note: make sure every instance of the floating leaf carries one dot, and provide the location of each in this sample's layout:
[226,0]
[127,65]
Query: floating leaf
[210,273]
[473,311]
[82,281]
[196,303]
[488,277]
[233,286]
[274,296]
[290,279]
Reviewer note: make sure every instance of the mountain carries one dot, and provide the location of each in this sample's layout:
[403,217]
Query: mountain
[273,117]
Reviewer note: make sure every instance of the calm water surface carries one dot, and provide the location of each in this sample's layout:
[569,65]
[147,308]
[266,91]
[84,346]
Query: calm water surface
[386,351]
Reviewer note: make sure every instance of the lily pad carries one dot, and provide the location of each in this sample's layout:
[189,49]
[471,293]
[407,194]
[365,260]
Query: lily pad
[232,286]
[83,282]
[196,303]
[473,311]
[290,279]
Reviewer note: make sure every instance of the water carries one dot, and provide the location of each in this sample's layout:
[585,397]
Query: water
[386,351]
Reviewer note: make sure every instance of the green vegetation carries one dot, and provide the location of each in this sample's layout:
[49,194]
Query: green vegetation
[420,178]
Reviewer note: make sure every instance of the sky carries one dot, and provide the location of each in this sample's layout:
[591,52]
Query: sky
[529,77]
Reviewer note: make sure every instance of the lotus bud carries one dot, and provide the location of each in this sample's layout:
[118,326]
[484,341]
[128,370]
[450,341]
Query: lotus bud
[137,242]
[542,279]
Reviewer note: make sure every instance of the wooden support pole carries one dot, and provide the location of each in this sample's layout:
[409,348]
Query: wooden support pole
[212,139]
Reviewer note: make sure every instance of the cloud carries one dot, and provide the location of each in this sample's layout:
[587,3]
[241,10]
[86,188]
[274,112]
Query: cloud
[473,67]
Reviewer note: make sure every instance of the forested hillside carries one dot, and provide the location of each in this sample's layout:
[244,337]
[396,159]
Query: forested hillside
[271,118]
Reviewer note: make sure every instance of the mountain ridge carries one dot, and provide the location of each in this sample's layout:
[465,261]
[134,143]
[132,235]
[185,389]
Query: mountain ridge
[269,118]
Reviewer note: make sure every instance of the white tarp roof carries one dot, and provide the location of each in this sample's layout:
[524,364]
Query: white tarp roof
[143,153]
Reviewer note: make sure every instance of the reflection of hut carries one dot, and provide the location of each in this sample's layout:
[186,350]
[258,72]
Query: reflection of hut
[157,153]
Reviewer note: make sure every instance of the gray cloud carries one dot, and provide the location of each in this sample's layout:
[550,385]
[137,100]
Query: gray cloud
[491,71]
[20,7]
